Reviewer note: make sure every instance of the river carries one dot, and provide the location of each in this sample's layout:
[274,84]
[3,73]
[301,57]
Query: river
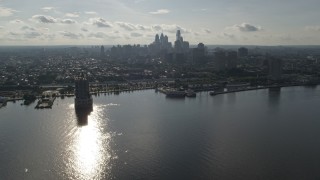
[260,134]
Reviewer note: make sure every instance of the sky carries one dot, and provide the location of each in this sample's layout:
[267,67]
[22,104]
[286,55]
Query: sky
[112,22]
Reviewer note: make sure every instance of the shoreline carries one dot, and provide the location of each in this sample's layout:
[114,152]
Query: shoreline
[62,96]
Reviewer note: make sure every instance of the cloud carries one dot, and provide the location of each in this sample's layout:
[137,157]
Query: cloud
[161,11]
[44,19]
[68,21]
[313,28]
[91,13]
[100,22]
[143,28]
[16,21]
[98,35]
[245,27]
[136,34]
[171,28]
[5,12]
[71,35]
[126,26]
[101,35]
[27,28]
[231,36]
[32,34]
[84,29]
[72,15]
[47,9]
[208,31]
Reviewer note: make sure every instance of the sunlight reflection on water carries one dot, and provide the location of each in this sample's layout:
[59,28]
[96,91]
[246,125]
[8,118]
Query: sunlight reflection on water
[89,149]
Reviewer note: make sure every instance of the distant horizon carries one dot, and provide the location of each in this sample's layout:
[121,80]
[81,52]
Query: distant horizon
[191,45]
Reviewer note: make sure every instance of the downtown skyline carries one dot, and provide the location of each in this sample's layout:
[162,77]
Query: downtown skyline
[111,22]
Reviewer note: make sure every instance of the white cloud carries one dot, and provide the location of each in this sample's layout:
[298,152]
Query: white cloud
[98,35]
[71,35]
[126,26]
[101,35]
[68,21]
[100,22]
[245,27]
[208,31]
[44,19]
[27,28]
[47,9]
[136,34]
[313,28]
[5,12]
[32,34]
[91,13]
[231,36]
[72,15]
[18,21]
[172,28]
[161,11]
[84,29]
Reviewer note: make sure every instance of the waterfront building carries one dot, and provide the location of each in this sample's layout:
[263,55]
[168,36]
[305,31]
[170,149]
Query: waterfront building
[83,99]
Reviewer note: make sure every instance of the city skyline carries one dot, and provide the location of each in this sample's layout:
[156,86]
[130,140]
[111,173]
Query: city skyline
[136,22]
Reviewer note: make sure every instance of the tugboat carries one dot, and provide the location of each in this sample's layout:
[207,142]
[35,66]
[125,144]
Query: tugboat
[190,93]
[172,93]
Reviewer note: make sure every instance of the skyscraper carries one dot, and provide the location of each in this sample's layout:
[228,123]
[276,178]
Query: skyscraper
[178,35]
[157,39]
[243,52]
[275,68]
[102,51]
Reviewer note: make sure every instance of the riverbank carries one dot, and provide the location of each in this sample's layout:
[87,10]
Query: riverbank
[256,88]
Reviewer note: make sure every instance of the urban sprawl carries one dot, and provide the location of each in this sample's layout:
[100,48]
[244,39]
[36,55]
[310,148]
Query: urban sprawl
[28,73]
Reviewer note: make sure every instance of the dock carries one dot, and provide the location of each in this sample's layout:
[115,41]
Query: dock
[45,103]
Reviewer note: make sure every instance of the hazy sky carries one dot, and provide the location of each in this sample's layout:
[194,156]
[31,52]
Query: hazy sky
[256,22]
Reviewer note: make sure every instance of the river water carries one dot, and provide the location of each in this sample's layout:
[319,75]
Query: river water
[260,134]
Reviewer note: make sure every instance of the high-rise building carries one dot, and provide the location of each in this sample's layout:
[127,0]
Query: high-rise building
[157,39]
[178,35]
[220,60]
[275,68]
[180,46]
[231,59]
[102,51]
[198,54]
[83,98]
[243,52]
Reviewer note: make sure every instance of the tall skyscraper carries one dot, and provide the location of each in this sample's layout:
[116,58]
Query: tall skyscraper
[102,51]
[275,68]
[178,35]
[157,39]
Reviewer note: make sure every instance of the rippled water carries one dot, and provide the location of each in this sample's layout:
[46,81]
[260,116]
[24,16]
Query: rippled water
[259,134]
